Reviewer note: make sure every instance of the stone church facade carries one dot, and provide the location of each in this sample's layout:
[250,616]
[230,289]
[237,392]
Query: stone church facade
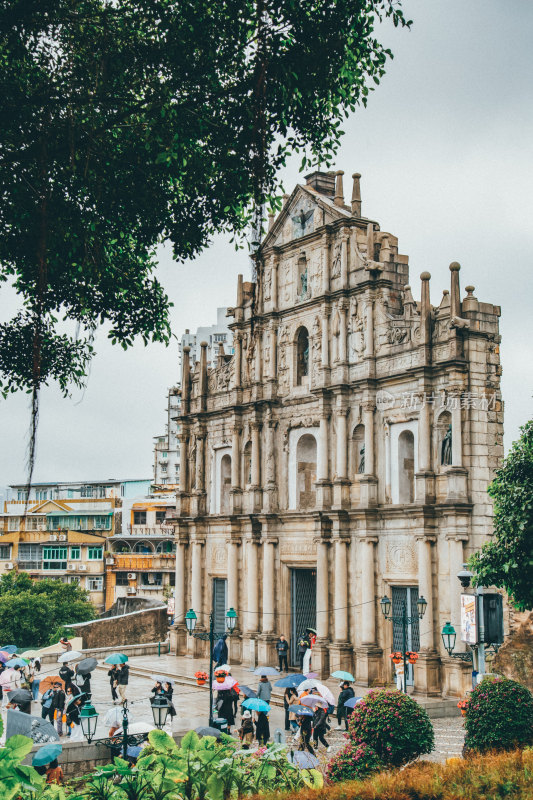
[341,453]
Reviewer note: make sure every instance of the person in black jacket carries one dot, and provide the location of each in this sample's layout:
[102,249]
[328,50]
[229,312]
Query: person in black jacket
[225,707]
[305,723]
[304,643]
[58,706]
[83,682]
[289,693]
[262,728]
[282,647]
[66,674]
[319,727]
[168,691]
[342,712]
[113,682]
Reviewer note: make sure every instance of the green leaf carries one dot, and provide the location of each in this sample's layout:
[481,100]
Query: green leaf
[190,741]
[19,746]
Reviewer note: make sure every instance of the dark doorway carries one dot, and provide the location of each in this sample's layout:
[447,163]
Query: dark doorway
[303,606]
[409,596]
[219,604]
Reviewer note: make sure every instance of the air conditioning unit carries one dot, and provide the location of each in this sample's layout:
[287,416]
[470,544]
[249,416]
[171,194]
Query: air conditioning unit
[71,567]
[132,576]
[62,537]
[53,537]
[131,590]
[82,567]
[9,565]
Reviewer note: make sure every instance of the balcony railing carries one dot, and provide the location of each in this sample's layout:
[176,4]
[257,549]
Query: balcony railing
[28,565]
[158,530]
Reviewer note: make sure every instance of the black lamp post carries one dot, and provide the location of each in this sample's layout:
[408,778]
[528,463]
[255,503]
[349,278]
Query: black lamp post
[89,721]
[404,621]
[210,636]
[160,709]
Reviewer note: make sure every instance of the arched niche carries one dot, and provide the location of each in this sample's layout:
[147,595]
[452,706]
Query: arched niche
[406,467]
[306,460]
[225,483]
[302,356]
[247,463]
[358,450]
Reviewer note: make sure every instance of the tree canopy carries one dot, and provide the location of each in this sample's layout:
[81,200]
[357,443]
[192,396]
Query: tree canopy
[506,560]
[125,123]
[31,611]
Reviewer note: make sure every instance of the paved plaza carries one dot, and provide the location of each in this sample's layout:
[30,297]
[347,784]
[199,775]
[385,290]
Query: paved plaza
[192,702]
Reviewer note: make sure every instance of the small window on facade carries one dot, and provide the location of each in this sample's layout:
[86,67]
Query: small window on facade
[306,471]
[160,517]
[75,553]
[139,517]
[5,551]
[122,579]
[95,553]
[95,584]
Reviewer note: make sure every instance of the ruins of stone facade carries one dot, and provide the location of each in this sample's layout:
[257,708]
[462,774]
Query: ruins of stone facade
[342,453]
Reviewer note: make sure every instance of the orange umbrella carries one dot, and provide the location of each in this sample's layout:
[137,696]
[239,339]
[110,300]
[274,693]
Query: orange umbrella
[48,683]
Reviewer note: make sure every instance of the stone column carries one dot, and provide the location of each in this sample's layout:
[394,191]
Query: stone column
[325,263]
[344,260]
[237,344]
[456,558]
[196,579]
[270,487]
[180,601]
[252,586]
[368,586]
[258,356]
[341,591]
[322,472]
[325,340]
[425,589]
[369,329]
[322,589]
[200,462]
[273,352]
[457,433]
[343,333]
[341,490]
[232,572]
[269,587]
[184,442]
[274,284]
[256,467]
[368,422]
[236,488]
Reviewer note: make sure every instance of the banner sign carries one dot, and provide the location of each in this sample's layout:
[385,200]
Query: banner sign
[469,623]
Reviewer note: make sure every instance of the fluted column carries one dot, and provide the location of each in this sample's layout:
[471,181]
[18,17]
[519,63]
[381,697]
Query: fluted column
[425,588]
[322,589]
[342,448]
[180,600]
[258,357]
[369,330]
[322,472]
[325,264]
[235,459]
[273,352]
[457,433]
[274,284]
[232,572]
[424,439]
[200,462]
[368,610]
[252,587]
[343,334]
[256,455]
[325,340]
[237,346]
[344,260]
[368,421]
[340,615]
[268,587]
[196,578]
[184,442]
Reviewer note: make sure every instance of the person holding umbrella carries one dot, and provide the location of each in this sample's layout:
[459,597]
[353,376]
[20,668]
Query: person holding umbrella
[123,680]
[220,651]
[319,727]
[342,712]
[290,698]
[304,644]
[262,728]
[58,705]
[264,689]
[113,682]
[66,674]
[82,677]
[225,707]
[45,762]
[305,717]
[246,731]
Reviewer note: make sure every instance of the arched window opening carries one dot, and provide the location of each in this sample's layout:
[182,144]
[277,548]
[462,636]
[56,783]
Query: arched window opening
[121,547]
[306,472]
[406,467]
[166,547]
[225,483]
[143,547]
[358,450]
[248,463]
[302,356]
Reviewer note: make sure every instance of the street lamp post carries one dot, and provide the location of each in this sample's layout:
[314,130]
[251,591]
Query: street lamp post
[404,620]
[89,720]
[210,636]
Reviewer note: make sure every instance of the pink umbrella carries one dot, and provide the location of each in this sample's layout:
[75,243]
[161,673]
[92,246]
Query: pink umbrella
[4,656]
[326,693]
[311,675]
[5,679]
[313,700]
[229,683]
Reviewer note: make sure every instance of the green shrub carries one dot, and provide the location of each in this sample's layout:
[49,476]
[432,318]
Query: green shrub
[353,762]
[499,716]
[394,725]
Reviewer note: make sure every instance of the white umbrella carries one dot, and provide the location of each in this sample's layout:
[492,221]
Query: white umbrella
[223,668]
[71,655]
[310,683]
[137,727]
[114,717]
[326,693]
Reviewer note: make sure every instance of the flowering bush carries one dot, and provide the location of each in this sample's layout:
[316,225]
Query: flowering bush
[394,725]
[499,715]
[353,762]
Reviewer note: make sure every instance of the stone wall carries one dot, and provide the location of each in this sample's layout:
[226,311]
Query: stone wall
[127,605]
[149,625]
[515,657]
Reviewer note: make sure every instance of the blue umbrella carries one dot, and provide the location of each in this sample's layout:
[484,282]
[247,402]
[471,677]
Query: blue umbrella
[351,703]
[116,658]
[255,704]
[343,676]
[247,692]
[291,681]
[9,648]
[266,671]
[16,662]
[302,711]
[46,754]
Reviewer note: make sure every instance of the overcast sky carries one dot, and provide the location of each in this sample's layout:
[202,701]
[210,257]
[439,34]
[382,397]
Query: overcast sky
[445,149]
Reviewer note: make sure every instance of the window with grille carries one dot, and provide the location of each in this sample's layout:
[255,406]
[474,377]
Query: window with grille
[95,553]
[13,523]
[95,584]
[54,558]
[139,517]
[5,551]
[101,523]
[122,579]
[75,553]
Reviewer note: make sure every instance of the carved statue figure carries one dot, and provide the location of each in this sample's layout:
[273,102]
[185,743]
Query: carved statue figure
[336,261]
[301,221]
[303,284]
[361,460]
[446,448]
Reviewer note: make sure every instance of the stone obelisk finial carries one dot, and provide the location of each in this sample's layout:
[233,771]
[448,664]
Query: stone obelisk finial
[339,190]
[356,195]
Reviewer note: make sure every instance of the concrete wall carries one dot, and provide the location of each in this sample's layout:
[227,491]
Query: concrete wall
[150,625]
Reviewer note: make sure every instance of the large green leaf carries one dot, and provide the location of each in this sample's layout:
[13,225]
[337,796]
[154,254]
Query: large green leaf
[190,741]
[161,741]
[19,746]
